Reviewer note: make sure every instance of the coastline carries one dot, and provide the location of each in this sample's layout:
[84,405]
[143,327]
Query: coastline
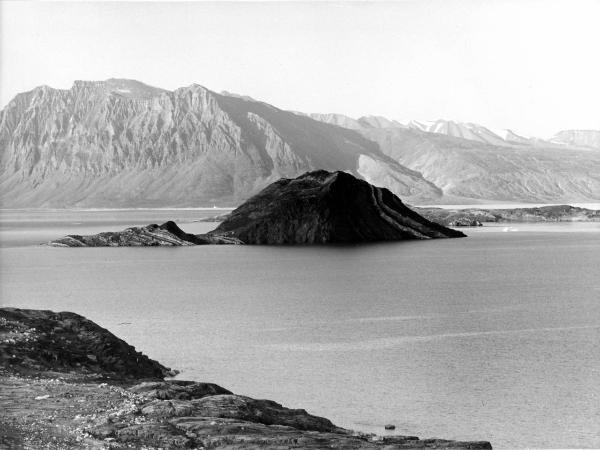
[72,384]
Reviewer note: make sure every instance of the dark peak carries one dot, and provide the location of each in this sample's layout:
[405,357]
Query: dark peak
[171,227]
[318,175]
[338,178]
[326,207]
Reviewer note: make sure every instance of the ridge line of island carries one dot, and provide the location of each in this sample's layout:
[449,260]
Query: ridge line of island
[323,207]
[317,207]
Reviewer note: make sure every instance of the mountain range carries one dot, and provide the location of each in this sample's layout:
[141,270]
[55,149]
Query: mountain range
[122,143]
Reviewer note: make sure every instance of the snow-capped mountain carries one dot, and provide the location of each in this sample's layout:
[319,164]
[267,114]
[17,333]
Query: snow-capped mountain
[469,161]
[470,131]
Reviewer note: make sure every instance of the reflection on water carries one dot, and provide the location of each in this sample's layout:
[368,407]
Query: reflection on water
[490,337]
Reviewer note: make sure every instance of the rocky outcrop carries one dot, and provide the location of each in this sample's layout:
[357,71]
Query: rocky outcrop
[177,390]
[315,208]
[121,143]
[44,341]
[166,235]
[464,222]
[475,216]
[63,405]
[322,207]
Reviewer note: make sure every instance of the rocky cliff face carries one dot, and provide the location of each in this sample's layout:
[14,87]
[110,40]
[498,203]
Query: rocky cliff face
[324,207]
[123,143]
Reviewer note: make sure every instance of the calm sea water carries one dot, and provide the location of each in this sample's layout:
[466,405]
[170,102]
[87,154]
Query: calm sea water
[496,336]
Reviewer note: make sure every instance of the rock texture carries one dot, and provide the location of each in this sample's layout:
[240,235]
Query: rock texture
[468,170]
[470,162]
[315,208]
[69,408]
[323,207]
[166,235]
[38,341]
[121,143]
[475,216]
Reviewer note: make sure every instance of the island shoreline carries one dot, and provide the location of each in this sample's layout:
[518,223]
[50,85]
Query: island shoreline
[68,383]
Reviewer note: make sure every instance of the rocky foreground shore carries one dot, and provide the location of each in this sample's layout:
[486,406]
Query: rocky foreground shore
[65,382]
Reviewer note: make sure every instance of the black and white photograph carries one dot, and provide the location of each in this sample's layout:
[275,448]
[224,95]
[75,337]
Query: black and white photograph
[319,224]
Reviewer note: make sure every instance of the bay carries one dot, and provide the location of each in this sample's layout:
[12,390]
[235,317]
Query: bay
[495,336]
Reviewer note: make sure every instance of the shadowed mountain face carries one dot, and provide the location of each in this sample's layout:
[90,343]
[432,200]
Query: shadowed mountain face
[121,143]
[324,207]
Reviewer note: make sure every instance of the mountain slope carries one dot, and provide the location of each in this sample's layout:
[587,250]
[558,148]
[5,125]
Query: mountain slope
[470,131]
[471,163]
[471,170]
[580,138]
[123,143]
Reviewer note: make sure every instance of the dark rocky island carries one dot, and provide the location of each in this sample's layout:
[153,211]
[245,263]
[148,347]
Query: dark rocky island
[68,383]
[324,207]
[316,208]
[166,235]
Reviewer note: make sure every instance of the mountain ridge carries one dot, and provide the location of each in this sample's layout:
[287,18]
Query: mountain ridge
[124,143]
[524,170]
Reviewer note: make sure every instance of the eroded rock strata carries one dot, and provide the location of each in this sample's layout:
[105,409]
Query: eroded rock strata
[122,143]
[68,383]
[166,235]
[326,207]
[318,207]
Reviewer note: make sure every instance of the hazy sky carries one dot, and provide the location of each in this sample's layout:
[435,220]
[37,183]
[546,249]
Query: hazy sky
[529,65]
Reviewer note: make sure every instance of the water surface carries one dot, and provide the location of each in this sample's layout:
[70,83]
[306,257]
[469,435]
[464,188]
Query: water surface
[494,337]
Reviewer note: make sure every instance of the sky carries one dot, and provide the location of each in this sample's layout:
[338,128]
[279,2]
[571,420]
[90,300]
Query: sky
[529,65]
